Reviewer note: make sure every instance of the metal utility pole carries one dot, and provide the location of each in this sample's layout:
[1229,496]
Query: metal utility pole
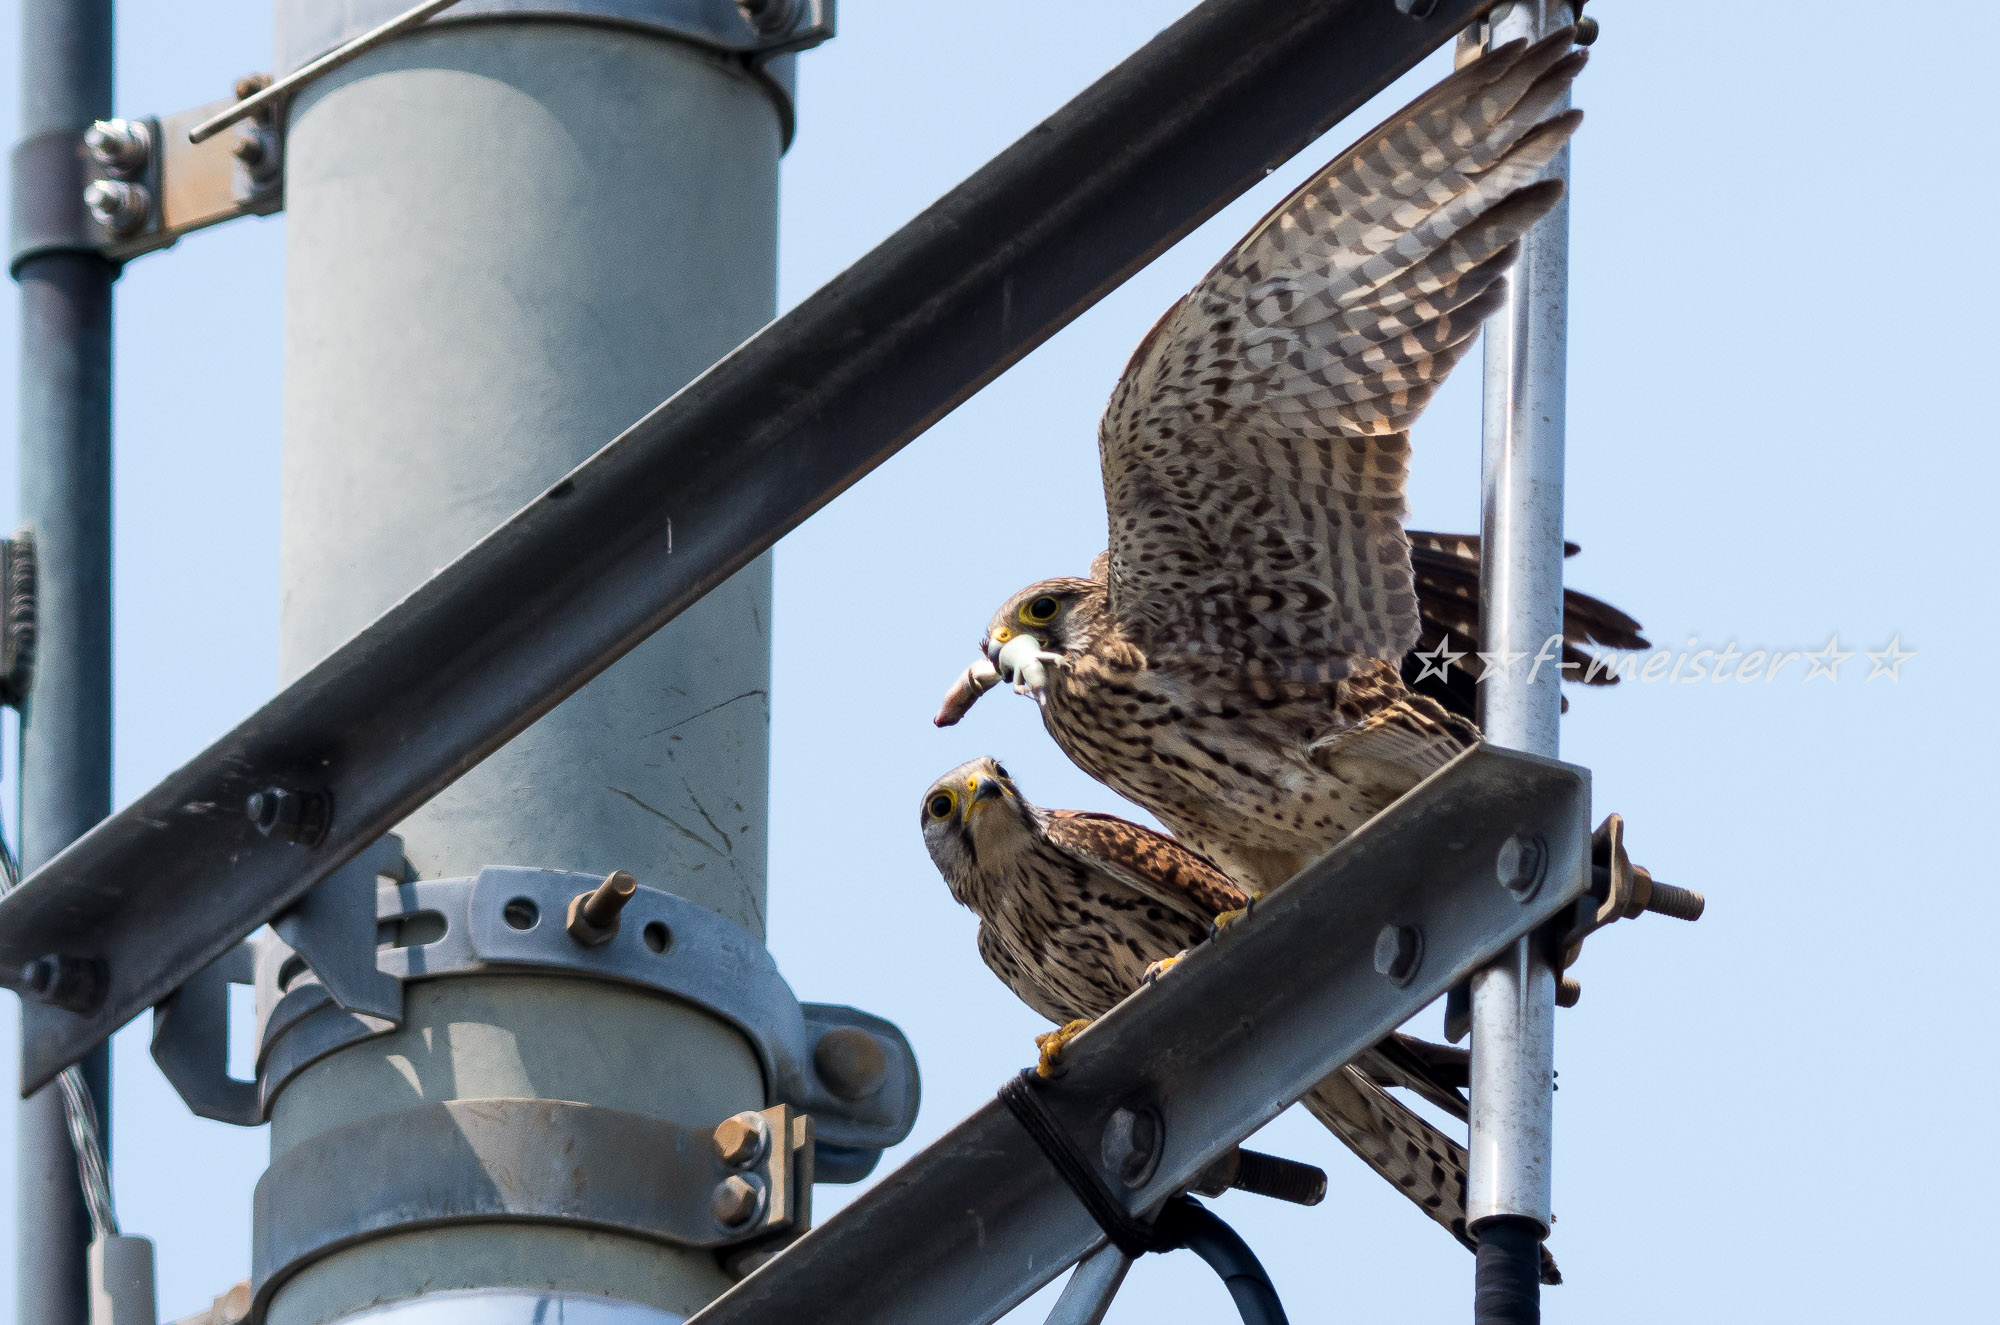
[1520,702]
[65,450]
[510,234]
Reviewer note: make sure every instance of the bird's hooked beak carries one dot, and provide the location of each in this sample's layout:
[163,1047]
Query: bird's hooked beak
[982,788]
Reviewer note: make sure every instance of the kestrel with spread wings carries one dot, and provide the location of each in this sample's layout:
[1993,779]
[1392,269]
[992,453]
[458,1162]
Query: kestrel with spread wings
[1076,909]
[1233,662]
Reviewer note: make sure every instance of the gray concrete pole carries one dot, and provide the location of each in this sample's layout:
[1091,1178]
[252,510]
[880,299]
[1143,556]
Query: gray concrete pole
[66,504]
[507,240]
[1508,1190]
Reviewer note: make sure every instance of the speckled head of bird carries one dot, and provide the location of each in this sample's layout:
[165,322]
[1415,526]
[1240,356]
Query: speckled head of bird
[973,818]
[1061,615]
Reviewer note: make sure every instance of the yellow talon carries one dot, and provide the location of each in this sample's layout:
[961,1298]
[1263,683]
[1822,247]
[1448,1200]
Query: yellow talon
[1051,1044]
[1228,918]
[1161,967]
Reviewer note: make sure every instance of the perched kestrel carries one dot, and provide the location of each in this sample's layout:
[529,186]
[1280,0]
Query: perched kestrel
[1076,909]
[1234,663]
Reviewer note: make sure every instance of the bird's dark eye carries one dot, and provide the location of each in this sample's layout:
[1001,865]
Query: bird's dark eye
[1041,611]
[940,805]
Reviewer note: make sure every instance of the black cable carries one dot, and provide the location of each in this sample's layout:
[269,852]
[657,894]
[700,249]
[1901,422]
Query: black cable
[1186,1222]
[1507,1275]
[1183,1222]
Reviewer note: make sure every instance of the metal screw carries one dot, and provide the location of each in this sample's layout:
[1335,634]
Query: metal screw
[1132,1144]
[742,1139]
[593,915]
[119,146]
[1568,992]
[117,205]
[75,984]
[1519,865]
[737,1199]
[768,17]
[851,1062]
[1399,951]
[290,815]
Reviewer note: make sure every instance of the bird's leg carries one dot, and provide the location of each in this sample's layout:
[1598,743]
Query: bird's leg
[1026,663]
[1051,1043]
[1227,918]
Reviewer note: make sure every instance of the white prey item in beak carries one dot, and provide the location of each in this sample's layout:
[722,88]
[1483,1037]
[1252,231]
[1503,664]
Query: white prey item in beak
[1023,661]
[973,682]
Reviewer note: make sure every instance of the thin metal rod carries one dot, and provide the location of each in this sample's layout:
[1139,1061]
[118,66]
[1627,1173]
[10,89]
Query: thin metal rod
[1087,1295]
[65,458]
[1520,701]
[325,64]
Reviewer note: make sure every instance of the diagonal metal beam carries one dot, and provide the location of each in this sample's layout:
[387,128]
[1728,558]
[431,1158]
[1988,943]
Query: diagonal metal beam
[979,1220]
[698,488]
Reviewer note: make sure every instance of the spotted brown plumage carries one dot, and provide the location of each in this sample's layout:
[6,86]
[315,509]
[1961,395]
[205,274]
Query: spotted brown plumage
[1237,667]
[1074,908]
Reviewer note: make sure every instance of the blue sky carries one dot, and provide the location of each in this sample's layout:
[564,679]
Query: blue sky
[1780,317]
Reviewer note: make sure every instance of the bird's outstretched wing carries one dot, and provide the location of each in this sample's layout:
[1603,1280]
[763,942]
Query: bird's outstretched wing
[1447,574]
[1149,862]
[1255,450]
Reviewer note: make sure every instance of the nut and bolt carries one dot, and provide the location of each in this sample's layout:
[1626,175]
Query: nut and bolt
[1520,865]
[1568,992]
[120,147]
[736,1200]
[1586,31]
[1399,952]
[257,149]
[593,915]
[289,814]
[742,1139]
[1664,899]
[75,984]
[1132,1143]
[850,1062]
[117,205]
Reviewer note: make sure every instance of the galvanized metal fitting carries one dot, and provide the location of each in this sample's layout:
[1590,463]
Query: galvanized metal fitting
[769,17]
[593,914]
[119,205]
[121,148]
[850,1062]
[74,984]
[290,814]
[1399,953]
[1521,864]
[742,1140]
[1131,1146]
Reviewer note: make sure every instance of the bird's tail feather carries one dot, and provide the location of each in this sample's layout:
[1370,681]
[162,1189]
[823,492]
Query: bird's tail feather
[1414,1157]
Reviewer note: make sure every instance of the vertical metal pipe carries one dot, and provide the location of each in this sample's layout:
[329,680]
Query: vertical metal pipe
[506,241]
[65,450]
[1521,555]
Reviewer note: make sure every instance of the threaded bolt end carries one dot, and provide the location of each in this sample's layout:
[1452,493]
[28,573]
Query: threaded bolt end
[1281,1179]
[1568,992]
[1680,903]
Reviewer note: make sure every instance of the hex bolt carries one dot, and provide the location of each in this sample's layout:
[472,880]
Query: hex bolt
[851,1062]
[117,205]
[1520,864]
[593,915]
[1131,1144]
[736,1200]
[1568,992]
[290,814]
[120,147]
[75,984]
[742,1139]
[1399,952]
